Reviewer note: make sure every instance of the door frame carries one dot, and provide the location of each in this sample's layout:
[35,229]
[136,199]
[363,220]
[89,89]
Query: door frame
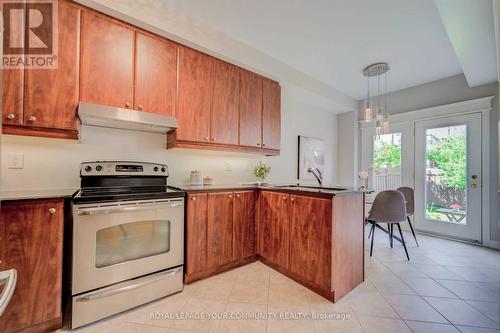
[479,105]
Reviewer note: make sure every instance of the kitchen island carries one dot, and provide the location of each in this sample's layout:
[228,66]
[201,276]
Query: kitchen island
[312,235]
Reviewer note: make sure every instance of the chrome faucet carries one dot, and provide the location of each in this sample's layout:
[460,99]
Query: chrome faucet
[317,174]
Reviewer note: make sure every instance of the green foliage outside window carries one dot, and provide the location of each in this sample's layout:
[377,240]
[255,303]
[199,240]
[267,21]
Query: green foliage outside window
[387,153]
[449,157]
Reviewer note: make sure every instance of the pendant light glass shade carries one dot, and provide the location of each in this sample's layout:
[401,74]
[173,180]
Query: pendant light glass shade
[376,107]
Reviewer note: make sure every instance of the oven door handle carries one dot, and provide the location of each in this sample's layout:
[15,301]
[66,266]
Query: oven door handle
[128,286]
[122,209]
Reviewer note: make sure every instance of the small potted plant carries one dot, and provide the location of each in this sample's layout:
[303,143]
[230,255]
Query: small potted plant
[261,171]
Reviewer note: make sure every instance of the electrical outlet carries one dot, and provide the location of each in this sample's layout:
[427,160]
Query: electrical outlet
[15,161]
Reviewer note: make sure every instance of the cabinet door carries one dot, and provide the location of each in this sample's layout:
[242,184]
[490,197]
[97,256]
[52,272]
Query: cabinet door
[195,90]
[155,75]
[51,96]
[224,111]
[271,114]
[244,225]
[274,227]
[310,239]
[107,61]
[12,96]
[33,245]
[250,109]
[220,229]
[196,230]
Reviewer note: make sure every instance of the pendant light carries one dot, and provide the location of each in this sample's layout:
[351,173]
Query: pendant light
[376,107]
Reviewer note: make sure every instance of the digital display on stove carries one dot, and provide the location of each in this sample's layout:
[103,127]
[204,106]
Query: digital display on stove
[129,168]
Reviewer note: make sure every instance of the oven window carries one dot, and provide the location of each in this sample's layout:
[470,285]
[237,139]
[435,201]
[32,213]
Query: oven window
[131,241]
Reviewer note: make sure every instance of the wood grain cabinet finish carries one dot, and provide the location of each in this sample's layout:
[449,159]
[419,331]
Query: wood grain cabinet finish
[12,96]
[244,224]
[271,114]
[51,96]
[196,233]
[32,244]
[250,109]
[219,229]
[225,102]
[273,231]
[310,239]
[194,96]
[107,61]
[155,75]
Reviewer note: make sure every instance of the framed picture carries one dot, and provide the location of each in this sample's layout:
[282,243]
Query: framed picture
[311,155]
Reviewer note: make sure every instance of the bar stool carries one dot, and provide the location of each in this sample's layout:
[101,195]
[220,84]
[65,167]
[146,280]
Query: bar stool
[388,207]
[410,206]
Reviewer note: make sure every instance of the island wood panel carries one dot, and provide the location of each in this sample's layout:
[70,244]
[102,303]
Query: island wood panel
[244,224]
[310,239]
[12,96]
[196,230]
[194,96]
[219,229]
[250,132]
[107,61]
[274,242]
[225,101]
[32,244]
[155,75]
[347,240]
[271,114]
[51,96]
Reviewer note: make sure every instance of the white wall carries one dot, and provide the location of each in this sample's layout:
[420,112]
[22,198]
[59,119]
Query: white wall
[54,163]
[347,143]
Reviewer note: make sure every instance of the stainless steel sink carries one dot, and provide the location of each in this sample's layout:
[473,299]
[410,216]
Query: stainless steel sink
[297,186]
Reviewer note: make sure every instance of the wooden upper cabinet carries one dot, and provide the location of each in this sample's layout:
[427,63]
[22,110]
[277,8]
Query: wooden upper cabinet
[271,114]
[273,233]
[244,225]
[196,233]
[107,61]
[194,96]
[250,109]
[310,239]
[220,229]
[225,102]
[155,75]
[32,244]
[51,96]
[12,96]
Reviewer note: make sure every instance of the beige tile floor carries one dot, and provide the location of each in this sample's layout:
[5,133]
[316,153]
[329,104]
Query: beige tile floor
[446,287]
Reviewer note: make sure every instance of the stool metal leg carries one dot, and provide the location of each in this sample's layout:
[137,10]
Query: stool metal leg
[373,237]
[412,231]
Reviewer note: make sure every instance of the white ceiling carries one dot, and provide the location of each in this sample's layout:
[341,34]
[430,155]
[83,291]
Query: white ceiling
[333,40]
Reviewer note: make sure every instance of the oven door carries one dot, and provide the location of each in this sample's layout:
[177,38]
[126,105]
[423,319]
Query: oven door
[114,242]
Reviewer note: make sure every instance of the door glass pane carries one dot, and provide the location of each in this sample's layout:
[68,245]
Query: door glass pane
[386,171]
[131,241]
[446,174]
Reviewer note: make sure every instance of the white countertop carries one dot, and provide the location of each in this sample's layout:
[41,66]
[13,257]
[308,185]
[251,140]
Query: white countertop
[26,194]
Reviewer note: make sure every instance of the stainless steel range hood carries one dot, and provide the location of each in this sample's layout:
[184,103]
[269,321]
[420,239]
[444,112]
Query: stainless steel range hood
[113,117]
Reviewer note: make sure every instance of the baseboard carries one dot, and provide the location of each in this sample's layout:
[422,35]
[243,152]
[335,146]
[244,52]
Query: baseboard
[493,244]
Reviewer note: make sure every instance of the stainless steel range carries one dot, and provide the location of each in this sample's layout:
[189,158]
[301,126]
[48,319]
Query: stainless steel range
[128,238]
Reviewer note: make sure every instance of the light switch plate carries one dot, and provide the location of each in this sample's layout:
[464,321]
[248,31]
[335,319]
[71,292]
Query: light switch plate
[15,161]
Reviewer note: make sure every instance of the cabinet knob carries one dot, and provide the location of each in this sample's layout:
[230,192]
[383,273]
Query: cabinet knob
[213,139]
[258,144]
[292,200]
[229,196]
[263,145]
[127,104]
[193,198]
[205,138]
[284,198]
[52,210]
[32,119]
[237,195]
[140,107]
[11,116]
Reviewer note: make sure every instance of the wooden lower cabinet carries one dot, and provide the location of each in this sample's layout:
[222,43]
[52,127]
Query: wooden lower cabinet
[273,233]
[32,243]
[219,228]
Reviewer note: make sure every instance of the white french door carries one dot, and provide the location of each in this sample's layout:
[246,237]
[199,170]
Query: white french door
[448,176]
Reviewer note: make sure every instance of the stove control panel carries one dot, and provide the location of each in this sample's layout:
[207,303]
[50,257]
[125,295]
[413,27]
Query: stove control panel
[118,168]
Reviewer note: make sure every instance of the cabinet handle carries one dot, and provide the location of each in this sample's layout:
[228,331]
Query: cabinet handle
[32,119]
[193,198]
[52,210]
[127,104]
[140,107]
[11,116]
